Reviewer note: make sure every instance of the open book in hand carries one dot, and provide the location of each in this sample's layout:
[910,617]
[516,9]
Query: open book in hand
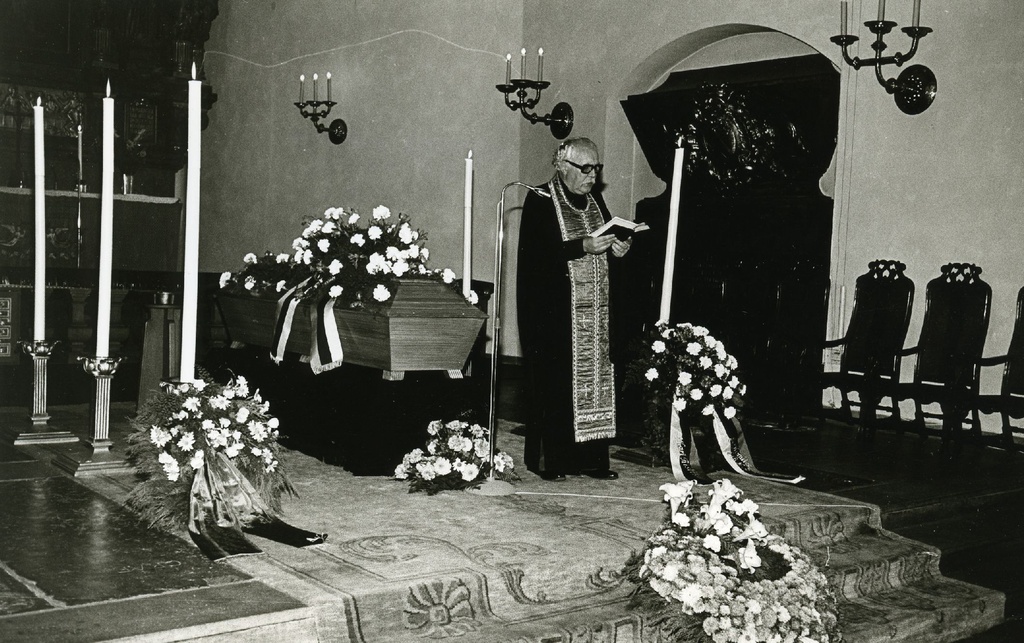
[621,228]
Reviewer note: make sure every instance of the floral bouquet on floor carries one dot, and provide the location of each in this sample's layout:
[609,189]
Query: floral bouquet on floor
[458,456]
[713,574]
[692,394]
[207,458]
[685,369]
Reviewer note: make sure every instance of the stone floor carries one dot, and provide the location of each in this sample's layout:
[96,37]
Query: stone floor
[75,566]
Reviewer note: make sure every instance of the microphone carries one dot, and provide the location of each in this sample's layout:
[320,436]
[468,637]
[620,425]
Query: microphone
[535,190]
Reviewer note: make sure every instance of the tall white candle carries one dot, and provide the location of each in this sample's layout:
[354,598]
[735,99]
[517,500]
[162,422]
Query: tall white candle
[843,10]
[467,228]
[190,290]
[80,155]
[39,309]
[106,231]
[917,14]
[540,64]
[881,10]
[673,227]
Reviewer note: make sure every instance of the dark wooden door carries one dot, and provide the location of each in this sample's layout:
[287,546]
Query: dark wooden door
[752,218]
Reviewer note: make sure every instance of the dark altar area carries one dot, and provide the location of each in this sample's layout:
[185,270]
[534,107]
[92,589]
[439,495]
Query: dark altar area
[754,239]
[65,52]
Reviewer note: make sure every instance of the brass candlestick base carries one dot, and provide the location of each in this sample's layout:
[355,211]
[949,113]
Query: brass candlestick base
[96,457]
[41,432]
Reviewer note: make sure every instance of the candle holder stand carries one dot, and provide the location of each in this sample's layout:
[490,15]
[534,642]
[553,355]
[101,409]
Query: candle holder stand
[41,432]
[96,458]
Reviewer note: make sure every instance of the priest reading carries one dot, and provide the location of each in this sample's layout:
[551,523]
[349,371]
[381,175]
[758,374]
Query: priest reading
[563,297]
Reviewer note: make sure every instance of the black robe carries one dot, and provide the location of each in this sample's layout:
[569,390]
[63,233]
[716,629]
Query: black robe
[545,333]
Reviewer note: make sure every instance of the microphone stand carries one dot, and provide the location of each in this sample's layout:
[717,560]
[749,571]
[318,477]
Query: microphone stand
[492,486]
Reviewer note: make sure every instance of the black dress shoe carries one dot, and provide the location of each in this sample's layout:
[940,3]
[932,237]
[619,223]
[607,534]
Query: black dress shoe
[602,474]
[553,476]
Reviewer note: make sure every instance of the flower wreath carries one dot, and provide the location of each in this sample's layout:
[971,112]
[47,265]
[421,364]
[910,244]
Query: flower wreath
[713,573]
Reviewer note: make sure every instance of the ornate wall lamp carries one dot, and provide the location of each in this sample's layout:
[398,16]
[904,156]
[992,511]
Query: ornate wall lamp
[315,110]
[914,89]
[560,118]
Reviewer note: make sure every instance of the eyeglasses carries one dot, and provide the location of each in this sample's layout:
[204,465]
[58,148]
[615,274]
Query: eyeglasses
[587,168]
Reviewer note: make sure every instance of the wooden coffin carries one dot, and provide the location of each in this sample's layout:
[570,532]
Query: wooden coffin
[427,327]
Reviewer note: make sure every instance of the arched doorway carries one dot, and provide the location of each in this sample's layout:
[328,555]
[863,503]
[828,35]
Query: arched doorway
[754,245]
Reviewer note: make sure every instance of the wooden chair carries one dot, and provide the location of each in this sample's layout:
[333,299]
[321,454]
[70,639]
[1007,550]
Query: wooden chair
[870,359]
[949,350]
[1009,402]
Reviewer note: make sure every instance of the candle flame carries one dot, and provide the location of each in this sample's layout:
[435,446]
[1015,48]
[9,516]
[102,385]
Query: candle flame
[193,71]
[540,52]
[39,101]
[302,78]
[315,76]
[508,57]
[108,88]
[328,75]
[470,154]
[523,52]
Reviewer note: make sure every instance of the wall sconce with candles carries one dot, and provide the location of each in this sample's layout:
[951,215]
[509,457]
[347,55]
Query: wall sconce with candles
[914,89]
[561,117]
[316,109]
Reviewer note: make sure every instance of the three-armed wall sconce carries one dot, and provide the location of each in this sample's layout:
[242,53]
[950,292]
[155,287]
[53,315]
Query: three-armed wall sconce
[914,89]
[560,118]
[315,109]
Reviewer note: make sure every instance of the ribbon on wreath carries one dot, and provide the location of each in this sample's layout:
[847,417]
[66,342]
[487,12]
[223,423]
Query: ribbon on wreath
[224,506]
[685,459]
[325,351]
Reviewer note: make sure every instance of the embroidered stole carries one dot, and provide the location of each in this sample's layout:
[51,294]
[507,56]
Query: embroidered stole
[593,377]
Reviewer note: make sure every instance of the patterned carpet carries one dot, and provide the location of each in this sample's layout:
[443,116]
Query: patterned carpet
[539,565]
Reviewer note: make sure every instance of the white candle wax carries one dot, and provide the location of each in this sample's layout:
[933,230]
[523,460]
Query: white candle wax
[103,282]
[843,9]
[39,301]
[522,63]
[670,241]
[467,228]
[540,64]
[508,68]
[881,10]
[328,87]
[79,154]
[190,290]
[916,22]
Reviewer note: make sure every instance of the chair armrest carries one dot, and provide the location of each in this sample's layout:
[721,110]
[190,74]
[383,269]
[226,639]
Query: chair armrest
[832,343]
[994,360]
[909,351]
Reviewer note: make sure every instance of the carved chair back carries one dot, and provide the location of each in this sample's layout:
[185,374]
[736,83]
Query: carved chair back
[1013,372]
[954,328]
[882,305]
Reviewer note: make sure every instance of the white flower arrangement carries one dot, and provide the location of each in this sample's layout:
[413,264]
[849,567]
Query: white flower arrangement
[683,367]
[457,456]
[714,573]
[335,257]
[188,424]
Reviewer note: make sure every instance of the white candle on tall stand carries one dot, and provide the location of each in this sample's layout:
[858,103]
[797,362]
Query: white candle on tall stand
[673,227]
[917,14]
[80,155]
[190,291]
[467,229]
[843,10]
[106,231]
[881,10]
[39,310]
